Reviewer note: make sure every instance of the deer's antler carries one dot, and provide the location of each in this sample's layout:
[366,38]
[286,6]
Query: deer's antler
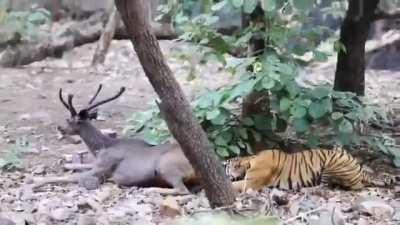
[71,107]
[106,100]
[95,95]
[61,99]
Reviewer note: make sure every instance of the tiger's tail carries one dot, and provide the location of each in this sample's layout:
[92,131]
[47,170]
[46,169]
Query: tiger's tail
[376,182]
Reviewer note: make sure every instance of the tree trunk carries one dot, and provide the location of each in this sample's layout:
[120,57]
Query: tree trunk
[174,106]
[354,32]
[106,37]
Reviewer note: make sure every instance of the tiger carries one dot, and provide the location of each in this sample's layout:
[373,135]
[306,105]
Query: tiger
[275,168]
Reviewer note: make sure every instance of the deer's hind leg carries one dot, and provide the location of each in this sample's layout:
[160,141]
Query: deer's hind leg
[90,179]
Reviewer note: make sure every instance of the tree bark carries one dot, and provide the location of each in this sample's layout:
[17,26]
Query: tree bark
[106,37]
[174,106]
[350,68]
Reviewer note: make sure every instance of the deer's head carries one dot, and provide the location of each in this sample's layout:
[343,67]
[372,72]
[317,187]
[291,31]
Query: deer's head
[79,119]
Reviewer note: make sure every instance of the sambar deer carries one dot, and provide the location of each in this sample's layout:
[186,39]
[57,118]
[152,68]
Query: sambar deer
[125,161]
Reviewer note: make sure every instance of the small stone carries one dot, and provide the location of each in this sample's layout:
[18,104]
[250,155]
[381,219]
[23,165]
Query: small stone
[10,141]
[68,157]
[19,207]
[39,169]
[25,129]
[30,151]
[60,214]
[5,221]
[73,139]
[314,220]
[25,116]
[101,117]
[376,208]
[396,189]
[363,221]
[86,220]
[103,194]
[109,132]
[396,216]
[89,182]
[279,197]
[44,148]
[2,129]
[170,207]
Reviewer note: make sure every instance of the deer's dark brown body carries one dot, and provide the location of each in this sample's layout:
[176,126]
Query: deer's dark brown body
[126,161]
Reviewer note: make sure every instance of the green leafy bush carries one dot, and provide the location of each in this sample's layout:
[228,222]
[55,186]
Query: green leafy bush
[23,25]
[12,159]
[314,116]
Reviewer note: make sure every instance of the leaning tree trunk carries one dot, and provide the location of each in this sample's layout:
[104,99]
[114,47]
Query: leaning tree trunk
[106,37]
[350,66]
[174,106]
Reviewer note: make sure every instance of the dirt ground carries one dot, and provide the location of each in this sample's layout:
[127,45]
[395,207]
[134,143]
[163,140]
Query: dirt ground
[30,111]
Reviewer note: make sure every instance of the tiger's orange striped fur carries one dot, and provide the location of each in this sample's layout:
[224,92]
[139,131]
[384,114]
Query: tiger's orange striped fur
[274,168]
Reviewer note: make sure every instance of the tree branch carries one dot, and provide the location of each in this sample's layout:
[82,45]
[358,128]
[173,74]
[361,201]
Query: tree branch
[381,15]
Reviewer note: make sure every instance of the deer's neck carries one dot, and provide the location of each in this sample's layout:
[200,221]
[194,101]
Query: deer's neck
[93,138]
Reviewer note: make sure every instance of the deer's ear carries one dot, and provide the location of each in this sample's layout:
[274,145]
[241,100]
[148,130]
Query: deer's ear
[83,115]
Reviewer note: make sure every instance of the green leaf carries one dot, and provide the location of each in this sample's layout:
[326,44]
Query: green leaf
[249,6]
[320,56]
[267,83]
[312,141]
[262,122]
[237,3]
[3,163]
[298,111]
[284,104]
[303,5]
[321,92]
[243,133]
[212,114]
[269,5]
[249,149]
[220,119]
[301,125]
[336,115]
[345,126]
[317,110]
[247,121]
[293,88]
[218,6]
[235,149]
[242,88]
[339,46]
[227,136]
[152,137]
[257,136]
[220,141]
[223,152]
[327,104]
[396,162]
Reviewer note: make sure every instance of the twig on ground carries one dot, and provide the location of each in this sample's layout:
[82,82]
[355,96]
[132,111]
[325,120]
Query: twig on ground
[302,215]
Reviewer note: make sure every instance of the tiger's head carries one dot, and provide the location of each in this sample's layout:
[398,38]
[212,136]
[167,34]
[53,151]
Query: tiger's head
[236,168]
